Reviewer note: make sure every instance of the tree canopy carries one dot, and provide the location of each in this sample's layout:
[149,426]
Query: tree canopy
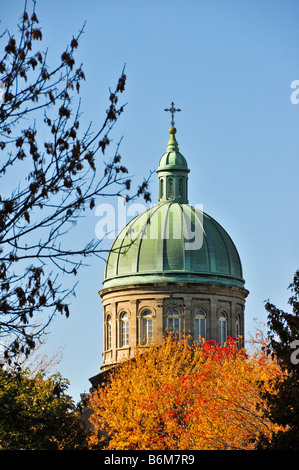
[180,395]
[37,414]
[283,344]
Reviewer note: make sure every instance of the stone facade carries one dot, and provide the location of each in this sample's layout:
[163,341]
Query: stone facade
[134,315]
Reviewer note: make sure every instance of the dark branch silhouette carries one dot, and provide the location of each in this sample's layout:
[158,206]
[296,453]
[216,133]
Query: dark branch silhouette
[46,183]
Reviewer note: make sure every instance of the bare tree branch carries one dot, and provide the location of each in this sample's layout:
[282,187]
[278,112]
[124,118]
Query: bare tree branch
[47,184]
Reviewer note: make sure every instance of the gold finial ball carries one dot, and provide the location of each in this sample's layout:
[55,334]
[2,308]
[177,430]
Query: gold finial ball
[172,130]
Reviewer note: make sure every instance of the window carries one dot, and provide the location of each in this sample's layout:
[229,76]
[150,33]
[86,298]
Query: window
[181,187]
[199,325]
[173,321]
[124,329]
[161,188]
[146,327]
[238,326]
[170,187]
[222,328]
[108,332]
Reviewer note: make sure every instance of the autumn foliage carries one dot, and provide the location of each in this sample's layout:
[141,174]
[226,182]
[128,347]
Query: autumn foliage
[179,396]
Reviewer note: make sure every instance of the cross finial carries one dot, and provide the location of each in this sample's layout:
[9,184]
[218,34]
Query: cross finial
[172,110]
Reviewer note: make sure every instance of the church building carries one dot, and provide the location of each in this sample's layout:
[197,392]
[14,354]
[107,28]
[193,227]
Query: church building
[173,268]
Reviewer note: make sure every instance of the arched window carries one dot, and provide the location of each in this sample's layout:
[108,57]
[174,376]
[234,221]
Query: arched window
[108,332]
[124,329]
[238,326]
[199,325]
[173,321]
[161,188]
[170,187]
[181,187]
[146,327]
[222,328]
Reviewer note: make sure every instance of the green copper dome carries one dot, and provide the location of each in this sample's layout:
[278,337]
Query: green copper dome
[172,158]
[173,242]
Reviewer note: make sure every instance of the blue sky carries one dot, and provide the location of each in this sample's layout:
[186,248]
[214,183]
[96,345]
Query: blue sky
[229,66]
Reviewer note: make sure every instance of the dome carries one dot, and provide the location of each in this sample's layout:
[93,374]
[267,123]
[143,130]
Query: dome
[173,242]
[172,158]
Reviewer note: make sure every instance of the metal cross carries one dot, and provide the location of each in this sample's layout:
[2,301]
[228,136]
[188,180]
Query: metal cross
[172,110]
